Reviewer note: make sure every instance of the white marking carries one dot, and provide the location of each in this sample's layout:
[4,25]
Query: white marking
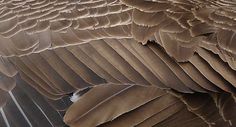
[19,107]
[4,117]
[44,114]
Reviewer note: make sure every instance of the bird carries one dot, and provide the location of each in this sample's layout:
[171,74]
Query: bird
[117,63]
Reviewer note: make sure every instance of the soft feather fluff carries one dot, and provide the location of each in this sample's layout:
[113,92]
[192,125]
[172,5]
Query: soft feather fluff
[126,63]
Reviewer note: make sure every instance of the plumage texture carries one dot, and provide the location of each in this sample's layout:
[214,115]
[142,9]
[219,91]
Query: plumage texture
[122,63]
